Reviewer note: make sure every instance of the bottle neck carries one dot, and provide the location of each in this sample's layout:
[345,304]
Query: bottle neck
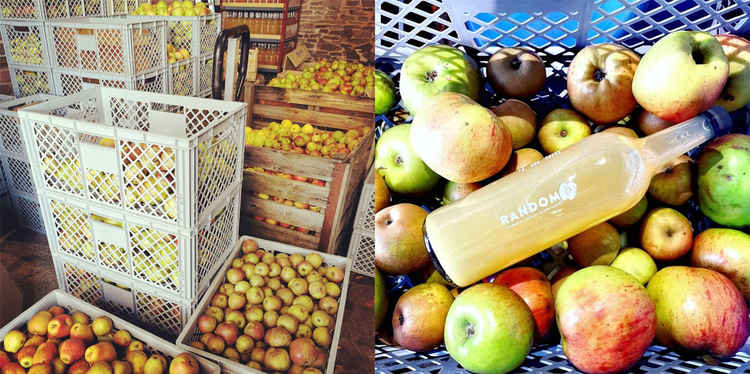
[666,145]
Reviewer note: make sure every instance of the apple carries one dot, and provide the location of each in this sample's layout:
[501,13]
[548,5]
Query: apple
[215,312]
[302,351]
[560,276]
[698,309]
[635,262]
[101,325]
[520,120]
[624,131]
[520,159]
[184,363]
[397,162]
[399,243]
[206,323]
[682,75]
[249,245]
[419,316]
[608,306]
[278,337]
[632,215]
[72,350]
[255,330]
[385,93]
[381,301]
[516,72]
[80,317]
[13,341]
[723,180]
[736,93]
[79,367]
[726,251]
[666,234]
[535,290]
[649,123]
[277,359]
[434,69]
[37,325]
[489,329]
[216,344]
[459,139]
[598,245]
[382,196]
[454,191]
[674,185]
[562,128]
[227,331]
[599,82]
[102,351]
[122,338]
[45,353]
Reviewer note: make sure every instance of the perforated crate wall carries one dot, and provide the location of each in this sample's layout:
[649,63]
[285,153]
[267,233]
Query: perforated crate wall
[25,42]
[197,34]
[122,7]
[129,300]
[11,137]
[165,258]
[6,210]
[362,252]
[549,27]
[17,174]
[365,219]
[27,211]
[49,9]
[205,71]
[183,77]
[108,45]
[29,80]
[169,158]
[68,82]
[3,182]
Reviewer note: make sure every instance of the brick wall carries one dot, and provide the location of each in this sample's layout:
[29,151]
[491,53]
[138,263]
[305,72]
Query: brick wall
[339,28]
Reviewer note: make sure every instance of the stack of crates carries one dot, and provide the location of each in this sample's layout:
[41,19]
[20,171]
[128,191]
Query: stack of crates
[108,52]
[23,29]
[140,196]
[15,166]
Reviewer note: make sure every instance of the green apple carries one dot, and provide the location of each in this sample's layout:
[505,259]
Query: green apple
[435,69]
[723,180]
[736,93]
[637,263]
[381,301]
[404,172]
[520,120]
[674,185]
[632,215]
[489,329]
[726,251]
[385,93]
[682,75]
[454,191]
[562,128]
[598,245]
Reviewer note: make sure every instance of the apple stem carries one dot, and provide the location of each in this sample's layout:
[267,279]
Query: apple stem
[697,57]
[400,319]
[431,75]
[564,133]
[599,75]
[469,330]
[515,63]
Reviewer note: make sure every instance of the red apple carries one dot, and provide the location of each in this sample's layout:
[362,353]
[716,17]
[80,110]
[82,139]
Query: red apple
[227,331]
[535,290]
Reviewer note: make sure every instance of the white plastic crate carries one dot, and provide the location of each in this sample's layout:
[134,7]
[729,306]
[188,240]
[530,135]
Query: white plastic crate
[163,258]
[11,137]
[3,182]
[108,45]
[25,42]
[31,80]
[50,9]
[183,77]
[153,343]
[69,82]
[159,156]
[196,34]
[362,252]
[190,332]
[27,211]
[17,174]
[122,7]
[205,74]
[6,210]
[365,218]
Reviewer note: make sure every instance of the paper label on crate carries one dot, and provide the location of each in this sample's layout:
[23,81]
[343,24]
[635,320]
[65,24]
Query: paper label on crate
[169,124]
[86,42]
[99,157]
[117,295]
[109,233]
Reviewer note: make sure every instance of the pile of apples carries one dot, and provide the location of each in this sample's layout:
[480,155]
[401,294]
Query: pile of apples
[56,342]
[27,49]
[274,312]
[646,276]
[32,82]
[27,11]
[340,76]
[299,178]
[175,55]
[176,8]
[287,202]
[307,139]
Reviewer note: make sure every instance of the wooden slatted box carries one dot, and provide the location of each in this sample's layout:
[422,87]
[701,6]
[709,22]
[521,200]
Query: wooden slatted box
[342,176]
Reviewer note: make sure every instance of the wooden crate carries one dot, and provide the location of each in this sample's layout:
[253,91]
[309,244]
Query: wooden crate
[343,177]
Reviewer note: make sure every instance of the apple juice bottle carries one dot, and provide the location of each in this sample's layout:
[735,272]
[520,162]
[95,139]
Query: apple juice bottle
[555,198]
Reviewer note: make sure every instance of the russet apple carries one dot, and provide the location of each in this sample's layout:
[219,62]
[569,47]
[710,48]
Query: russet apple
[278,337]
[598,245]
[399,242]
[682,75]
[419,316]
[666,234]
[600,82]
[228,332]
[516,72]
[562,128]
[726,251]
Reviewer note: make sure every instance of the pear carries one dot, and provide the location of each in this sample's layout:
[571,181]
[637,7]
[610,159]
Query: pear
[13,341]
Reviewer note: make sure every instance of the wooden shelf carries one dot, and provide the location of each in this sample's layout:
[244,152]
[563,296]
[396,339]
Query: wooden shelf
[269,37]
[268,68]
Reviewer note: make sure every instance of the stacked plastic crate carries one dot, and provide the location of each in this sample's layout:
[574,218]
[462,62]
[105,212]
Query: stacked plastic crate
[15,166]
[362,243]
[22,26]
[140,196]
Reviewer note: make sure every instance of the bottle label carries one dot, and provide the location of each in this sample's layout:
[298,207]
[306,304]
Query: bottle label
[566,191]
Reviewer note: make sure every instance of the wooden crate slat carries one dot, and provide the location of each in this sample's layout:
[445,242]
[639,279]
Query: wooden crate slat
[321,99]
[340,177]
[286,188]
[338,121]
[277,233]
[252,206]
[288,162]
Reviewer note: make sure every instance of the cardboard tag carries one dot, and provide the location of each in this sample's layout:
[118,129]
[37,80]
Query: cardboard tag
[99,157]
[296,57]
[86,42]
[170,124]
